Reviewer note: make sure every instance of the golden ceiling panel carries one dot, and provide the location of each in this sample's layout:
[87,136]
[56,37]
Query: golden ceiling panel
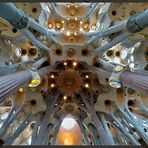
[70,82]
[76,10]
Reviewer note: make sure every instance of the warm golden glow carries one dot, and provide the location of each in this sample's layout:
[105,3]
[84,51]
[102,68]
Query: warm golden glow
[68,139]
[65,63]
[50,25]
[80,29]
[86,85]
[72,12]
[74,64]
[65,97]
[76,18]
[86,76]
[52,76]
[69,132]
[58,25]
[68,33]
[21,90]
[52,85]
[85,25]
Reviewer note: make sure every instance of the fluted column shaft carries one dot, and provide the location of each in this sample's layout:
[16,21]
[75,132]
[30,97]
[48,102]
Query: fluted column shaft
[44,125]
[97,122]
[129,79]
[135,81]
[56,130]
[83,131]
[9,84]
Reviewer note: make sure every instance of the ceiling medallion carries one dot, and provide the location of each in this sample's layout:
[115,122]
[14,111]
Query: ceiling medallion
[69,81]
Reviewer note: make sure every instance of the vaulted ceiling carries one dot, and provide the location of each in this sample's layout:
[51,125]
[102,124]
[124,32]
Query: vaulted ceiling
[87,61]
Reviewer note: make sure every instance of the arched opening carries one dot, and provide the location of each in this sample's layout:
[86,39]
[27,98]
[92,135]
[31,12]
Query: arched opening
[69,132]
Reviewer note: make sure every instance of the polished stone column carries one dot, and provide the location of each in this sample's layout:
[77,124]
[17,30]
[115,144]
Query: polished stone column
[9,84]
[135,81]
[21,21]
[134,122]
[135,24]
[104,122]
[10,139]
[45,123]
[83,132]
[103,33]
[96,120]
[56,131]
[95,134]
[35,129]
[46,140]
[123,130]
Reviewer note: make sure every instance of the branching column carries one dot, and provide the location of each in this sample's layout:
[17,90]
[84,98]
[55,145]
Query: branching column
[96,121]
[44,125]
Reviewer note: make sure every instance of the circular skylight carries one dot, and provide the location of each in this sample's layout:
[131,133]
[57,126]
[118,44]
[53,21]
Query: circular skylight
[68,123]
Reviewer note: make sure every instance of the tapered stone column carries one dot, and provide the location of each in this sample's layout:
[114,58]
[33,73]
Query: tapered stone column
[83,132]
[95,134]
[135,81]
[9,84]
[134,122]
[96,120]
[135,24]
[89,13]
[106,127]
[44,125]
[9,139]
[100,34]
[110,66]
[56,131]
[46,140]
[20,20]
[121,128]
[35,130]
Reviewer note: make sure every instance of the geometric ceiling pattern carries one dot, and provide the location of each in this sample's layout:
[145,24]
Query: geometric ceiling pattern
[74,73]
